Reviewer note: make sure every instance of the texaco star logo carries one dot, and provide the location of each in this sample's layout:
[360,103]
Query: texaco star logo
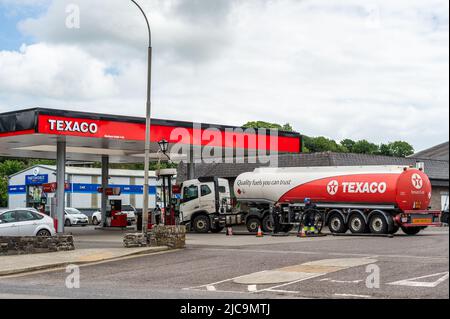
[333,187]
[417,181]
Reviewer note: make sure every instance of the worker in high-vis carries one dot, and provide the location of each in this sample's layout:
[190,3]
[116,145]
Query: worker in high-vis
[309,226]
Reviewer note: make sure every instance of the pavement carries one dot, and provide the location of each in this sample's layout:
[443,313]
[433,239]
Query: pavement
[10,265]
[240,267]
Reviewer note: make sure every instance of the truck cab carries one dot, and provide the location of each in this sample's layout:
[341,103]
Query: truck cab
[205,203]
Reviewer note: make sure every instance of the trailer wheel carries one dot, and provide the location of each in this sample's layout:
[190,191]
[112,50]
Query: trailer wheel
[201,224]
[395,229]
[336,224]
[378,224]
[411,231]
[267,226]
[357,224]
[252,224]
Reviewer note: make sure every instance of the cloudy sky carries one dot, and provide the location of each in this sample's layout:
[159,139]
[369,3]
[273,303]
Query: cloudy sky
[356,69]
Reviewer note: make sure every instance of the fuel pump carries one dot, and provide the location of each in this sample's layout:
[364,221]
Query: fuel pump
[168,209]
[115,216]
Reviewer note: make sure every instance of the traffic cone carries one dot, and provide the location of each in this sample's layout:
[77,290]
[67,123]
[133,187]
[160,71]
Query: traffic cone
[301,232]
[260,233]
[229,231]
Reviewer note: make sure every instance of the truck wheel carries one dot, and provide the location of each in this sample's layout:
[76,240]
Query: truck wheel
[411,231]
[378,224]
[336,224]
[253,224]
[201,224]
[267,226]
[357,224]
[395,229]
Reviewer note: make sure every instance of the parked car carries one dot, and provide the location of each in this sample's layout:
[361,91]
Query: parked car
[25,222]
[128,209]
[73,217]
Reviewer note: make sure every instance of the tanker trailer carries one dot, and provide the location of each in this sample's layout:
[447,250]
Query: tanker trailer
[376,199]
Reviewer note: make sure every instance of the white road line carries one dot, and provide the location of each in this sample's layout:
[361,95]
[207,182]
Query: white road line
[412,282]
[351,295]
[342,281]
[218,282]
[211,288]
[252,288]
[290,283]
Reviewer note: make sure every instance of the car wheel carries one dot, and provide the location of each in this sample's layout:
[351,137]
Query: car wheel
[95,221]
[201,224]
[253,224]
[67,223]
[336,224]
[43,233]
[378,224]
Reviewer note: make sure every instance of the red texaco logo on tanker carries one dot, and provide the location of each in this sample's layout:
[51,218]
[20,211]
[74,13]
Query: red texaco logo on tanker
[333,187]
[417,181]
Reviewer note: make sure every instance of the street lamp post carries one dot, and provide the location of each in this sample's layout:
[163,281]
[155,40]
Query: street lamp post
[147,126]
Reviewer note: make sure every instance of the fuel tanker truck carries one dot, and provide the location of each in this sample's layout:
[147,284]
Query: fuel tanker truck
[364,199]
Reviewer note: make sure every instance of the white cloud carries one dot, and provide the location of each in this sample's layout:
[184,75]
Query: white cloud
[377,70]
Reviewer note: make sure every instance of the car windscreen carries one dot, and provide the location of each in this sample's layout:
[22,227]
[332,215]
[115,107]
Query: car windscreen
[127,208]
[72,211]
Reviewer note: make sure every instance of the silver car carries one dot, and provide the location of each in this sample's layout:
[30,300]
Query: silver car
[25,222]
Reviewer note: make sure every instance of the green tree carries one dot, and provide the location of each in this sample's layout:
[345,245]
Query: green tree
[7,168]
[365,147]
[321,144]
[400,149]
[261,124]
[385,150]
[348,144]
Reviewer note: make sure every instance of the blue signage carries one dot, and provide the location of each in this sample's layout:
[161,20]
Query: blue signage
[33,180]
[125,189]
[18,189]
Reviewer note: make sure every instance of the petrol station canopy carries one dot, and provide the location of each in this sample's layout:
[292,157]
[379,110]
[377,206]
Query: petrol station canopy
[33,133]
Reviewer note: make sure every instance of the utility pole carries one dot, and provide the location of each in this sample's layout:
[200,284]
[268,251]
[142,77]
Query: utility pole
[147,127]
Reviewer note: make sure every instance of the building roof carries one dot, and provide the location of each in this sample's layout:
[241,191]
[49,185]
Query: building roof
[438,152]
[437,170]
[70,170]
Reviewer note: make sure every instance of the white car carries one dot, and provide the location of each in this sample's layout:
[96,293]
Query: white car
[25,222]
[128,209]
[73,217]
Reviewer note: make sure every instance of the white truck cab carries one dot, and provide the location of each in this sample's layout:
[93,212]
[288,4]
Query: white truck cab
[205,204]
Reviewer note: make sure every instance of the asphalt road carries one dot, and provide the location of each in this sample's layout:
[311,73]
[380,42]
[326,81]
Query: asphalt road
[216,266]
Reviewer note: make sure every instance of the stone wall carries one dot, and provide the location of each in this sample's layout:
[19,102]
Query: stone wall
[35,245]
[173,237]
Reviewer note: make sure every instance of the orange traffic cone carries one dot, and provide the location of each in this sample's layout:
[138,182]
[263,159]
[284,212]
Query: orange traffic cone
[229,231]
[301,232]
[260,233]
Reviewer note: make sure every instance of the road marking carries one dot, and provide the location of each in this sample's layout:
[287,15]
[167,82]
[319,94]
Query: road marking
[252,288]
[412,282]
[351,295]
[342,281]
[211,288]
